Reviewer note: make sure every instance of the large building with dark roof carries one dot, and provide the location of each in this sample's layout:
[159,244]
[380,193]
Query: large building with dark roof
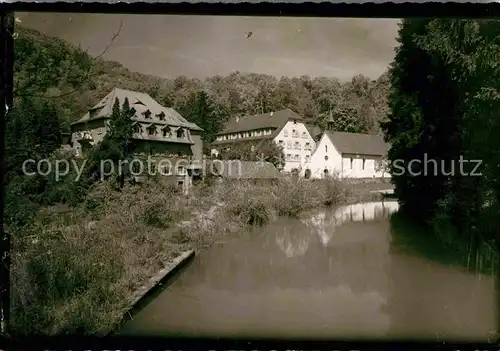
[158,130]
[285,127]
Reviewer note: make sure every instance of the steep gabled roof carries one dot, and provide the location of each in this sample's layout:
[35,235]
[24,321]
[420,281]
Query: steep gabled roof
[141,102]
[275,120]
[236,169]
[315,131]
[360,144]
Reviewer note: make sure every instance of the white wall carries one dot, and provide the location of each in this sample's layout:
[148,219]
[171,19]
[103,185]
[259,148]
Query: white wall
[319,163]
[341,165]
[289,141]
[362,166]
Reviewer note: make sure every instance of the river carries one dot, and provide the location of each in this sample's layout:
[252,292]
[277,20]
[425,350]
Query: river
[332,274]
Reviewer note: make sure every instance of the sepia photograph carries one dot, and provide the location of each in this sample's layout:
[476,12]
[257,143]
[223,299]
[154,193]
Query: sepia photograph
[253,177]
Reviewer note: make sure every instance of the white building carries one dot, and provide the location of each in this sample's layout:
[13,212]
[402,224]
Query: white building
[347,155]
[286,128]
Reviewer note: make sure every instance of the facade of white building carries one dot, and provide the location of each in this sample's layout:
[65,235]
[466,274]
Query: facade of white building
[347,155]
[286,128]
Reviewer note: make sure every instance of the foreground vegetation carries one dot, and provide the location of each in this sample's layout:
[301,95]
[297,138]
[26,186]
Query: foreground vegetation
[74,268]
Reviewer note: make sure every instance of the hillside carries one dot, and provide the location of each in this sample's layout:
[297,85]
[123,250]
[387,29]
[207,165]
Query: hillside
[73,80]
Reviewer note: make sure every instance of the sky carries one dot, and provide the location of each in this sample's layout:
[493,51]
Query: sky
[201,46]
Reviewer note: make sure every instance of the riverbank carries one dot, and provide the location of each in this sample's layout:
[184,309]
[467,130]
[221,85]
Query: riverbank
[75,269]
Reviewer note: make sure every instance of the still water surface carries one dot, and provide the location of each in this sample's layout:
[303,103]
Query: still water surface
[332,274]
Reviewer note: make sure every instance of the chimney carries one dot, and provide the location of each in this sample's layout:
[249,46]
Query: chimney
[237,119]
[271,114]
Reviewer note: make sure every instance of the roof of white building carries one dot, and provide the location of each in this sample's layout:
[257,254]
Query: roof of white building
[360,144]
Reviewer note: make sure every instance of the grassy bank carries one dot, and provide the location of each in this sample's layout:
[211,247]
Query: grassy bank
[74,268]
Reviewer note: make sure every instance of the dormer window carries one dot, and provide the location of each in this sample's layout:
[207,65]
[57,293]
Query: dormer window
[151,130]
[137,129]
[180,134]
[147,114]
[161,116]
[139,102]
[166,132]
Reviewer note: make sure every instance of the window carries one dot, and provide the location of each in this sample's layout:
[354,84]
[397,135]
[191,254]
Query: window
[304,135]
[288,144]
[288,156]
[180,183]
[151,130]
[363,164]
[326,157]
[307,146]
[167,132]
[294,133]
[181,170]
[326,148]
[325,173]
[180,134]
[308,157]
[297,157]
[161,116]
[297,145]
[147,114]
[166,170]
[285,133]
[137,129]
[280,143]
[351,162]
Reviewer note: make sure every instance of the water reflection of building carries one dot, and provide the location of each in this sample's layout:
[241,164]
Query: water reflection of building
[324,252]
[293,242]
[357,245]
[326,223]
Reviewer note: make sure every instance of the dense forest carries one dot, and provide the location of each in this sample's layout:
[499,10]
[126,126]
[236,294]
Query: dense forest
[444,104]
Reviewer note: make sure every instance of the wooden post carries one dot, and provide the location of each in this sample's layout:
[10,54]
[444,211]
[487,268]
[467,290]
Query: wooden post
[6,102]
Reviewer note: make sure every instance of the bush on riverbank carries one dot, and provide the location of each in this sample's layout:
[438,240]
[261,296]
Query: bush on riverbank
[74,268]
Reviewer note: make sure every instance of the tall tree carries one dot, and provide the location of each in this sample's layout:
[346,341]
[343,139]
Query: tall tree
[202,110]
[445,81]
[117,144]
